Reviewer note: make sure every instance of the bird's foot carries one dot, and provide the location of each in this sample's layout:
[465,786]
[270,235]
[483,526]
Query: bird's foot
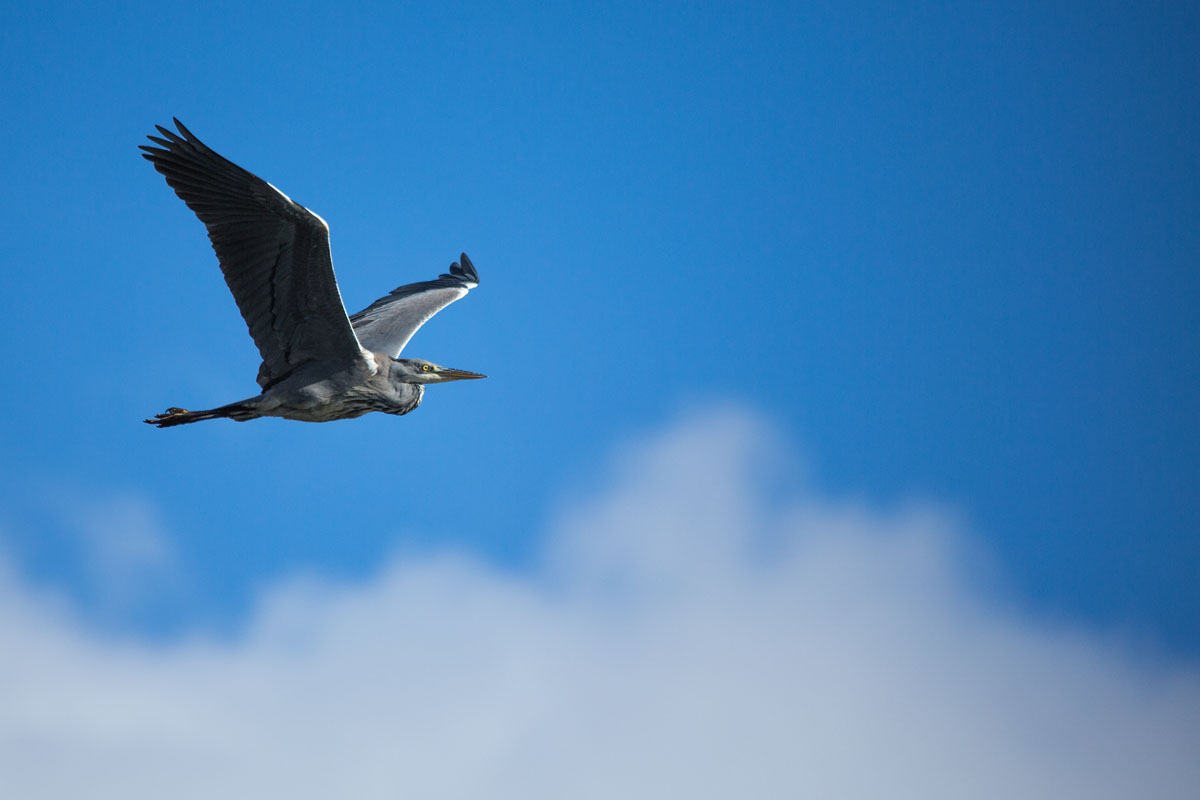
[168,414]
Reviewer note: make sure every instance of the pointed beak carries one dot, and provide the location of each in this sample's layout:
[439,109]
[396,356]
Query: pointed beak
[450,374]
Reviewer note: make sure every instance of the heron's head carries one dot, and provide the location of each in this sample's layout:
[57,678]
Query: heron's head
[418,370]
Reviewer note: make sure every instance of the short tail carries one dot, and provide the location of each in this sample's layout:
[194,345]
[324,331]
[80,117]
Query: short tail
[181,416]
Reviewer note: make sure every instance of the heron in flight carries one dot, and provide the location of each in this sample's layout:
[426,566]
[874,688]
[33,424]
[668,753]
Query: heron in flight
[318,363]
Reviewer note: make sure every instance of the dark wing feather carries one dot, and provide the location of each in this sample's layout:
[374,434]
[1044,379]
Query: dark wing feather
[273,252]
[387,324]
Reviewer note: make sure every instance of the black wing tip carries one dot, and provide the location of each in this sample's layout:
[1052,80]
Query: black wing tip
[170,138]
[463,268]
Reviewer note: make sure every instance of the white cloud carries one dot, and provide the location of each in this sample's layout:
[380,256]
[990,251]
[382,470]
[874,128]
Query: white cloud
[690,635]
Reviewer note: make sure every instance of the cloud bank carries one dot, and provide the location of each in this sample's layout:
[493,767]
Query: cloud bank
[691,632]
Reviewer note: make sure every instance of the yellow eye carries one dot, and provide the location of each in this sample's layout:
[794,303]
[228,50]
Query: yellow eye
[426,367]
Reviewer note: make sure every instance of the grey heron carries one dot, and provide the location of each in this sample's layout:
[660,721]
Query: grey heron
[318,363]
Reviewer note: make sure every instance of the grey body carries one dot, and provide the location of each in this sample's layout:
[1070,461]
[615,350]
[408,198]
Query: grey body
[314,393]
[318,363]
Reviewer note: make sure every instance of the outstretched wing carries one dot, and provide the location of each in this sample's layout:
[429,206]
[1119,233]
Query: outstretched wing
[387,324]
[274,254]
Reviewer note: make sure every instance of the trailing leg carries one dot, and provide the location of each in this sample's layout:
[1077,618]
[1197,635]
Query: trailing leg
[240,412]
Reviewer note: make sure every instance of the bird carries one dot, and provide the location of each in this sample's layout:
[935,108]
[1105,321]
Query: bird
[318,363]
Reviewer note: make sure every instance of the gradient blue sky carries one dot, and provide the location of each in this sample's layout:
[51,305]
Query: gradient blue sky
[953,250]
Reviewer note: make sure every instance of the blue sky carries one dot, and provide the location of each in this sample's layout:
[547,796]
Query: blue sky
[949,253]
[954,251]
